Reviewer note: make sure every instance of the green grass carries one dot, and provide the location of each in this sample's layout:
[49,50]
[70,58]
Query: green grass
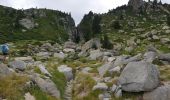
[40,95]
[12,87]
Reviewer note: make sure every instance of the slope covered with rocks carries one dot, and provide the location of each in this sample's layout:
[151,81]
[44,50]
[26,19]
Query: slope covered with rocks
[129,59]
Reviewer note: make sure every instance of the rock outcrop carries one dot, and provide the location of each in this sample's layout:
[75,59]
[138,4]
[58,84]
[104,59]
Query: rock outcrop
[136,4]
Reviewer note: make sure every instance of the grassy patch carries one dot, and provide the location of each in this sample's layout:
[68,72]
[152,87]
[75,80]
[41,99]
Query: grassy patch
[40,95]
[12,87]
[57,77]
[83,88]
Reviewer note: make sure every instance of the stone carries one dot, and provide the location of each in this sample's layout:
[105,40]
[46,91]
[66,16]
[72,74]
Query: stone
[44,70]
[28,96]
[4,70]
[67,72]
[27,23]
[167,31]
[164,57]
[139,76]
[111,59]
[70,45]
[120,60]
[100,86]
[25,59]
[165,27]
[129,49]
[160,93]
[68,50]
[20,65]
[60,55]
[89,44]
[104,68]
[115,70]
[45,55]
[104,96]
[113,88]
[107,79]
[86,70]
[118,94]
[155,37]
[95,54]
[150,56]
[46,85]
[165,40]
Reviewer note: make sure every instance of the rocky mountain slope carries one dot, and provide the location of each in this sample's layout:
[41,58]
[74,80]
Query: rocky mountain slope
[127,59]
[38,24]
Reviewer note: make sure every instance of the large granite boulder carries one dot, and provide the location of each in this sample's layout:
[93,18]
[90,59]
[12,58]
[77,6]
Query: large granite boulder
[160,93]
[18,64]
[47,86]
[139,76]
[91,43]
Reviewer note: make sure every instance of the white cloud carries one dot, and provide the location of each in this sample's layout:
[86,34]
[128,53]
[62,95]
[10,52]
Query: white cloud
[77,7]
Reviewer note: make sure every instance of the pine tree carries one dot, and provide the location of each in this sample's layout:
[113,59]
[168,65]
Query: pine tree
[96,28]
[168,20]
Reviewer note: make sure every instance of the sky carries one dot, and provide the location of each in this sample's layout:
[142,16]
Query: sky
[77,7]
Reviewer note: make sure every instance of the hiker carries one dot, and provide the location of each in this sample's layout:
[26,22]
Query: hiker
[5,51]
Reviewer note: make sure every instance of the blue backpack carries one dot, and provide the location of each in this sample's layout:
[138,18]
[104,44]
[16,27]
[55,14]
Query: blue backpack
[5,49]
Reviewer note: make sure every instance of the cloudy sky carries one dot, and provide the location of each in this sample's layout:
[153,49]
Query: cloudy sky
[77,7]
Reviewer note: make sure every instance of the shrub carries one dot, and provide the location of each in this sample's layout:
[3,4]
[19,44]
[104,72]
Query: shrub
[116,25]
[168,20]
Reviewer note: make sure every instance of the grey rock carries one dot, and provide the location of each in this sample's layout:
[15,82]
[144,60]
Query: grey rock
[44,70]
[136,4]
[60,55]
[165,27]
[25,59]
[45,55]
[139,76]
[20,65]
[150,56]
[47,86]
[104,96]
[68,50]
[100,86]
[167,31]
[164,57]
[67,71]
[104,68]
[4,70]
[86,70]
[89,44]
[160,93]
[95,54]
[28,96]
[165,40]
[27,23]
[70,45]
[113,88]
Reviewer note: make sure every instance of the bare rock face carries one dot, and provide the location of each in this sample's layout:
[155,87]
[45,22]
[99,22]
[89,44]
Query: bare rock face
[136,4]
